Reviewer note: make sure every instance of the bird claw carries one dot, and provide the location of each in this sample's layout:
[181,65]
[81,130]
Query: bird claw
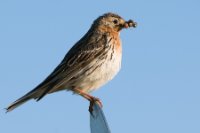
[92,102]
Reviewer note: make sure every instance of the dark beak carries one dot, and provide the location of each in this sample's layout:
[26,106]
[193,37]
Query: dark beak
[129,24]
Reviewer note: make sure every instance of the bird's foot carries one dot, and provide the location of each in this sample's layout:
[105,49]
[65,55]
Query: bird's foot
[94,100]
[90,98]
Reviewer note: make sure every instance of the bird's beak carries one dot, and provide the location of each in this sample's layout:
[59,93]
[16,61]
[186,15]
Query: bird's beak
[129,24]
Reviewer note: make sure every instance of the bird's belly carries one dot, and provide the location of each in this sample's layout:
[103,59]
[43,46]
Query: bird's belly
[103,72]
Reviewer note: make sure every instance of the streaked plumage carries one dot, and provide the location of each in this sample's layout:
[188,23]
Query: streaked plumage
[94,60]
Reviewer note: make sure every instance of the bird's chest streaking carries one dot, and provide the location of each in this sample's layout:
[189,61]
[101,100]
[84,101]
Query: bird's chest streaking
[104,68]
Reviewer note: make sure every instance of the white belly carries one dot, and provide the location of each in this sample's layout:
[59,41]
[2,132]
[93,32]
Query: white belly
[102,74]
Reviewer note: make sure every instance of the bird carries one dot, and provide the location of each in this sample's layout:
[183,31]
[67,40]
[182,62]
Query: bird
[93,61]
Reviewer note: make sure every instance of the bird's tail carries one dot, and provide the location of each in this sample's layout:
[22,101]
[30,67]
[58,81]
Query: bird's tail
[38,93]
[30,95]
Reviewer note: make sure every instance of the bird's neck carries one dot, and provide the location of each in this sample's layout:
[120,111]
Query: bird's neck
[109,30]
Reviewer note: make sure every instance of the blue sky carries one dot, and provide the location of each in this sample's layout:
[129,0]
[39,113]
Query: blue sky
[156,91]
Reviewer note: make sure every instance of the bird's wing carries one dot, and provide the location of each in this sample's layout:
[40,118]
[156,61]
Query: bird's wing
[80,55]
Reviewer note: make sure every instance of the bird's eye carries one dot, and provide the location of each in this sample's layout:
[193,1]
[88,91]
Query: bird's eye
[115,21]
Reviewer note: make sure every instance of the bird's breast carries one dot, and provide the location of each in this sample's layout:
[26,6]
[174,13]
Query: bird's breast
[104,69]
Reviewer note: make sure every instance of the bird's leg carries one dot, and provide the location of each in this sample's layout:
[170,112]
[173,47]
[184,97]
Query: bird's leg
[90,98]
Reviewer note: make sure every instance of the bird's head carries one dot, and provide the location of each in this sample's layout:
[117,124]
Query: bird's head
[113,21]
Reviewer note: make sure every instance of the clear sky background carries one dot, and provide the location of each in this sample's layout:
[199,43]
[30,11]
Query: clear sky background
[156,91]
